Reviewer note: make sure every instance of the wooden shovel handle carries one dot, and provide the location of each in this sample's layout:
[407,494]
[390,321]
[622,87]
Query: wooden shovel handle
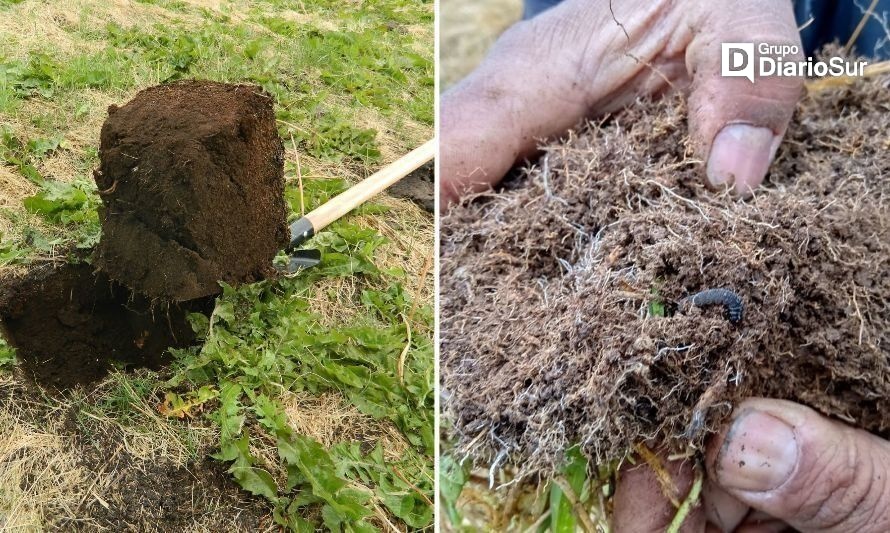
[336,207]
[371,186]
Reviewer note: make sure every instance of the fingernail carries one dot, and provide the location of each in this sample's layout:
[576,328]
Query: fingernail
[759,453]
[741,155]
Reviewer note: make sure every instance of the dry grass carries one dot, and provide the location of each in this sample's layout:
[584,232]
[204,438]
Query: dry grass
[330,419]
[45,479]
[393,147]
[146,435]
[39,472]
[12,190]
[410,232]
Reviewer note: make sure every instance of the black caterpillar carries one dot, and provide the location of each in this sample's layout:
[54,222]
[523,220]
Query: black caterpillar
[731,301]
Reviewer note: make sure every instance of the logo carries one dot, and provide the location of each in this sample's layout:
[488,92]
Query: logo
[737,60]
[747,60]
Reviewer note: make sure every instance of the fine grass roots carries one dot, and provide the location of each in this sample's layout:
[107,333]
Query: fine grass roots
[573,278]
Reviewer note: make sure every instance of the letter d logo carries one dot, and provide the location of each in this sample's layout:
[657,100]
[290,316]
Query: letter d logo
[737,60]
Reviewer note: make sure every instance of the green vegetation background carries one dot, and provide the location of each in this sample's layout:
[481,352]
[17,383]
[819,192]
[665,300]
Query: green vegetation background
[353,82]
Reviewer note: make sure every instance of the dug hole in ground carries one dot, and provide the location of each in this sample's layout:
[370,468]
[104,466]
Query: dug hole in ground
[191,182]
[565,323]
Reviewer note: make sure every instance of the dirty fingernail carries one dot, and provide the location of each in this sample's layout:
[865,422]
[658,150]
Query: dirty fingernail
[758,454]
[741,155]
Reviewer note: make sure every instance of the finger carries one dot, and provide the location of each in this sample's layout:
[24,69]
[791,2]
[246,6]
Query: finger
[641,505]
[541,77]
[793,464]
[738,125]
[722,509]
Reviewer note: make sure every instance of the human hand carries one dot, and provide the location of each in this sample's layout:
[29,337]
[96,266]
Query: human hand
[574,60]
[777,466]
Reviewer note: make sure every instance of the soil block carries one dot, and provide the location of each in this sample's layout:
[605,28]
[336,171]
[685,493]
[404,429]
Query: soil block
[70,325]
[191,181]
[565,315]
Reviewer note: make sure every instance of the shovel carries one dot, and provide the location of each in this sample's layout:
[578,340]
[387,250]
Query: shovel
[314,221]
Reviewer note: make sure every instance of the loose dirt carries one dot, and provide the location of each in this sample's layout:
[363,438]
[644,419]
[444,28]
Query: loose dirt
[191,180]
[161,496]
[561,314]
[104,479]
[71,325]
[418,186]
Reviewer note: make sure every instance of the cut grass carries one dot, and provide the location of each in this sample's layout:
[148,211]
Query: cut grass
[305,389]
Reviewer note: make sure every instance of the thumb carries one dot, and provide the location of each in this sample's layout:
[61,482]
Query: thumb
[815,474]
[737,125]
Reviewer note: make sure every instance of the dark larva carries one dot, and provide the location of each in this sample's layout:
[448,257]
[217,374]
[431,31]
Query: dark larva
[725,297]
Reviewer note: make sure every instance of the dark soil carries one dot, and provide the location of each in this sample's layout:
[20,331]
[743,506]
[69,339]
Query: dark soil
[191,179]
[550,324]
[418,186]
[71,326]
[158,495]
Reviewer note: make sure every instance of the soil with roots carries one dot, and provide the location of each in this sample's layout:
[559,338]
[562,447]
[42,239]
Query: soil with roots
[563,317]
[192,187]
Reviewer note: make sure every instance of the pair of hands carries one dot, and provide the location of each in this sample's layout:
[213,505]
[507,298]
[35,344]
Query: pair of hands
[779,464]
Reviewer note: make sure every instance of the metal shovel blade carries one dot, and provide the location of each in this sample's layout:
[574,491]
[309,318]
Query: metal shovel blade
[302,259]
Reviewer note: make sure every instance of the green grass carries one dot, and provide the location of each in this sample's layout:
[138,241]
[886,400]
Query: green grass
[7,354]
[353,84]
[263,338]
[573,499]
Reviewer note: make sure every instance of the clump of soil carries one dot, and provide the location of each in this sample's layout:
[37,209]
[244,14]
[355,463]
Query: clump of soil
[418,186]
[191,179]
[70,325]
[552,288]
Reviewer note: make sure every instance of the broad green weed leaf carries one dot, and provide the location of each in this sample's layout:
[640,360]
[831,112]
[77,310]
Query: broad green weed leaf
[11,253]
[314,462]
[256,481]
[62,202]
[452,478]
[7,354]
[41,147]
